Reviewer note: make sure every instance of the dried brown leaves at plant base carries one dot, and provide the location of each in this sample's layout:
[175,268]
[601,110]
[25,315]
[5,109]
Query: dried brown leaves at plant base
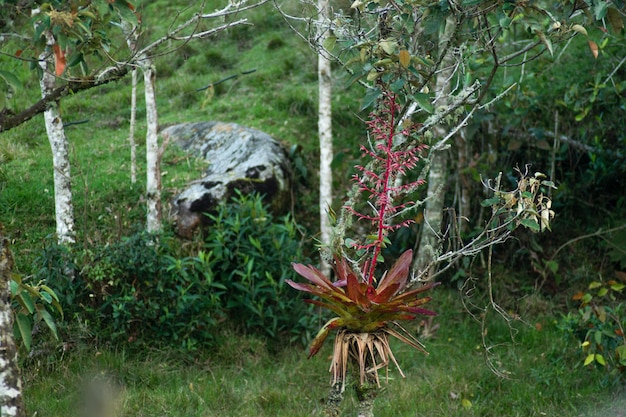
[369,351]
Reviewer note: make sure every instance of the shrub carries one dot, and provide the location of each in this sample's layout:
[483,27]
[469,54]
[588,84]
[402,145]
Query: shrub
[251,258]
[134,290]
[139,290]
[599,325]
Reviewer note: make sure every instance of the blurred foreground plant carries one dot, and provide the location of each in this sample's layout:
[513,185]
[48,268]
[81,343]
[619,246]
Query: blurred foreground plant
[600,323]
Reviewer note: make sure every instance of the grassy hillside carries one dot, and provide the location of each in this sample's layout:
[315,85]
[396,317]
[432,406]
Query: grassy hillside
[277,96]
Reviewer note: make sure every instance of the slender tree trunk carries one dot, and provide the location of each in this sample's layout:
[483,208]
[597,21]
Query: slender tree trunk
[153,181]
[429,240]
[153,156]
[463,180]
[11,402]
[325,135]
[132,35]
[133,122]
[64,209]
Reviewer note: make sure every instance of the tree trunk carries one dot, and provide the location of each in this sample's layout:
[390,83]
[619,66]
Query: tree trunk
[366,394]
[153,180]
[464,181]
[153,157]
[429,240]
[133,122]
[325,136]
[11,402]
[63,206]
[132,35]
[333,403]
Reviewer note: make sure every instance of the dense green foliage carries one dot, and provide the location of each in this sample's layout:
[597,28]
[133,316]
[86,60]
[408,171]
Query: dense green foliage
[251,255]
[139,289]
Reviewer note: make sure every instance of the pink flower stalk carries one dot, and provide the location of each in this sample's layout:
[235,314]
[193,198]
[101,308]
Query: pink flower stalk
[381,186]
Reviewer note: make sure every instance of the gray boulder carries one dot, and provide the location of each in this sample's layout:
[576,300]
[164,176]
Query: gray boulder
[239,158]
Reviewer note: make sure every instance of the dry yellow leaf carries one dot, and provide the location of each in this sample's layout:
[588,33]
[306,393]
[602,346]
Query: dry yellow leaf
[405,58]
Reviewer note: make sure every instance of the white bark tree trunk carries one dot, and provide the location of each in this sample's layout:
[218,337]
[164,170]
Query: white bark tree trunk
[64,209]
[325,135]
[153,157]
[430,236]
[153,180]
[133,122]
[132,35]
[11,402]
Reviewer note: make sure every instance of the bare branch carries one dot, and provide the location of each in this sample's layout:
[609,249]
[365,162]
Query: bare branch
[9,120]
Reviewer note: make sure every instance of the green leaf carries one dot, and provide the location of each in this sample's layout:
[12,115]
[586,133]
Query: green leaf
[530,224]
[43,313]
[349,243]
[466,404]
[600,359]
[504,22]
[600,9]
[41,26]
[49,291]
[125,13]
[370,97]
[27,302]
[46,297]
[329,43]
[15,288]
[553,266]
[597,337]
[621,354]
[423,100]
[490,202]
[388,45]
[25,329]
[11,79]
[589,359]
[397,85]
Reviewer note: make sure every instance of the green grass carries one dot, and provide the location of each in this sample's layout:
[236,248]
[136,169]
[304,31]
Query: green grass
[240,378]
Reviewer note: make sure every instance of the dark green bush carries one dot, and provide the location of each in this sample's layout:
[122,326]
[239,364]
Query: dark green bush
[139,290]
[251,258]
[135,290]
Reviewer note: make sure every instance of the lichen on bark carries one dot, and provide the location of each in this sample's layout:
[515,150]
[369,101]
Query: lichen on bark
[11,402]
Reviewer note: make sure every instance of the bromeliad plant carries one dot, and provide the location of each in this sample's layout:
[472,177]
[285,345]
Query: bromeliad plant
[368,309]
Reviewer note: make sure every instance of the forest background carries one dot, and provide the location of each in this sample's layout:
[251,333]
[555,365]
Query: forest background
[564,117]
